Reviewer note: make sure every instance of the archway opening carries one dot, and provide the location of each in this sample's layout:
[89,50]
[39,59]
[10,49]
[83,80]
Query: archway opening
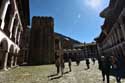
[3,50]
[10,59]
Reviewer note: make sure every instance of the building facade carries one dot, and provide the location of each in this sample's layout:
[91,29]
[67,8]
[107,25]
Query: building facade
[64,46]
[66,42]
[75,54]
[14,17]
[24,46]
[111,41]
[41,49]
[82,51]
[89,49]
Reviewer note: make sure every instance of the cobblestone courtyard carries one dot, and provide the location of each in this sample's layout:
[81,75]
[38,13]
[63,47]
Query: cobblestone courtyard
[45,74]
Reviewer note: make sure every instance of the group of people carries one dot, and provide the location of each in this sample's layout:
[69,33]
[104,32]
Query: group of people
[60,63]
[107,64]
[110,65]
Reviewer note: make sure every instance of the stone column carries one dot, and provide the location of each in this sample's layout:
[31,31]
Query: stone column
[60,45]
[118,32]
[5,60]
[2,58]
[16,31]
[15,63]
[18,37]
[111,39]
[112,36]
[60,48]
[3,11]
[12,60]
[115,36]
[123,29]
[11,24]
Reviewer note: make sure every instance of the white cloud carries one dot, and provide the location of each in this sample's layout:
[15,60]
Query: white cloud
[95,4]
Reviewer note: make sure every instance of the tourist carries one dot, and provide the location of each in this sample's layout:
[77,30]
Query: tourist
[70,63]
[87,63]
[102,67]
[57,62]
[62,64]
[93,60]
[116,68]
[77,60]
[105,64]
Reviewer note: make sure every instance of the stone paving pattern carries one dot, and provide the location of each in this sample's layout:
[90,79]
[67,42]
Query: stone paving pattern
[43,74]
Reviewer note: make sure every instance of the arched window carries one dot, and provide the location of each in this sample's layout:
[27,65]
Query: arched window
[10,55]
[7,19]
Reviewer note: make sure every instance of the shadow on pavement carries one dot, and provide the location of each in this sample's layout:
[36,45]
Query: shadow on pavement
[66,72]
[86,69]
[57,77]
[52,75]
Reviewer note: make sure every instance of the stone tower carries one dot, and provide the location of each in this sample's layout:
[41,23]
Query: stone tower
[42,41]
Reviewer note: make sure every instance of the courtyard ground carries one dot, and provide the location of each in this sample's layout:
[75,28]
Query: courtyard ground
[46,74]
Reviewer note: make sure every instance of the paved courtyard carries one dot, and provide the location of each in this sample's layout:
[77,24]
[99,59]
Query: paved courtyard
[46,74]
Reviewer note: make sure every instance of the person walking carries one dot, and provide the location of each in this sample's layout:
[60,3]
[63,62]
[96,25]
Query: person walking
[62,64]
[77,59]
[93,60]
[116,68]
[57,62]
[107,68]
[87,63]
[70,63]
[104,66]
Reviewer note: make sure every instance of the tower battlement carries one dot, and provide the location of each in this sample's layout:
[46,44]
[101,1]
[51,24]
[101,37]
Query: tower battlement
[41,20]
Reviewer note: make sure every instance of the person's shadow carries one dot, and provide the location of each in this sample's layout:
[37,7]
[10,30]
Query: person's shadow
[52,75]
[66,72]
[86,69]
[55,76]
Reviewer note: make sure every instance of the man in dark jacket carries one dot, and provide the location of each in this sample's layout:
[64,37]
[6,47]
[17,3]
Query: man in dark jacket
[87,63]
[69,63]
[57,62]
[104,66]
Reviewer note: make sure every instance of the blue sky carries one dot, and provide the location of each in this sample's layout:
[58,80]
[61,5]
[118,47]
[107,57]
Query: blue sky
[78,19]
